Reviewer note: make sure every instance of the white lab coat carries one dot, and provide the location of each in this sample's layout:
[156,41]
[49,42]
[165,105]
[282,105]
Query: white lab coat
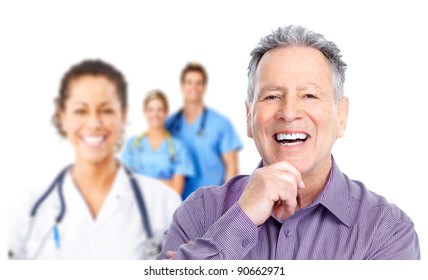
[116,233]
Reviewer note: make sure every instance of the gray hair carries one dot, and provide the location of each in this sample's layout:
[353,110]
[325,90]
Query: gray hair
[295,35]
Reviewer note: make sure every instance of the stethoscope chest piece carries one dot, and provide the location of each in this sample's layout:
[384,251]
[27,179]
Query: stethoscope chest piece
[179,118]
[201,133]
[151,248]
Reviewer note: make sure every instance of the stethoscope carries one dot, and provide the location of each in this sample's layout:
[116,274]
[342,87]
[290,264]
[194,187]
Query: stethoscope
[137,145]
[151,247]
[176,123]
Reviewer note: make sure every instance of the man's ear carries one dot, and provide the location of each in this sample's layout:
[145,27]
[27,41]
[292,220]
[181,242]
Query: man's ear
[343,107]
[249,120]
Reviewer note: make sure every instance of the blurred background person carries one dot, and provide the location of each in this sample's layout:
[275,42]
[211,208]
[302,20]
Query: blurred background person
[210,137]
[95,208]
[155,153]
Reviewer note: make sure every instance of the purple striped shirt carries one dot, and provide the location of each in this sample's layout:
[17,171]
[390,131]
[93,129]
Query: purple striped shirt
[345,221]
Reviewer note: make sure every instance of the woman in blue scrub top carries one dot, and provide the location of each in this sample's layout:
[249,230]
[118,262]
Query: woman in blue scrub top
[155,153]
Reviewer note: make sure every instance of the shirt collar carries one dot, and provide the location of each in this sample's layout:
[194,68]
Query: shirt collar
[335,195]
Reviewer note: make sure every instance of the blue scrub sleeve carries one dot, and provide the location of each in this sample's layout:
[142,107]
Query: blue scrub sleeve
[170,122]
[183,165]
[229,140]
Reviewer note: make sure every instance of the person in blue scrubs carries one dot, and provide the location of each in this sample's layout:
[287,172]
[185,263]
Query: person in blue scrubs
[155,153]
[210,137]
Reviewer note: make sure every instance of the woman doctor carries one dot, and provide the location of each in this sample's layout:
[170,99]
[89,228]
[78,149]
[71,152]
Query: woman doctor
[95,208]
[155,153]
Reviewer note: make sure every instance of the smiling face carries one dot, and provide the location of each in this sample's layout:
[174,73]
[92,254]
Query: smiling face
[155,112]
[193,87]
[294,115]
[93,118]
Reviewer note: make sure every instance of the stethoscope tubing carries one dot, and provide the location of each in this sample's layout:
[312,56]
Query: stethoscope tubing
[137,144]
[176,124]
[141,204]
[58,182]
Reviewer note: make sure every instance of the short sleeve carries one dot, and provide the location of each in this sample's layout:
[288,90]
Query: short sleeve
[229,138]
[183,165]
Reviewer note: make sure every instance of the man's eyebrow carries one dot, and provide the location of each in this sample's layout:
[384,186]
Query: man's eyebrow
[272,88]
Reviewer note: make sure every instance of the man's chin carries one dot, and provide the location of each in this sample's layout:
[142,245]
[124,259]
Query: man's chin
[300,164]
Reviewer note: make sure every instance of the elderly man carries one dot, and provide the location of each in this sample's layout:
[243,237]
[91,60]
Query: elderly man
[297,204]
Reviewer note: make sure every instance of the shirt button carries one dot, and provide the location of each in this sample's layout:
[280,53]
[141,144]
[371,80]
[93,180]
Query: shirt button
[245,243]
[287,233]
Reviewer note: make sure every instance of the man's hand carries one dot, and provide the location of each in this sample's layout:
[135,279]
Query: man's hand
[171,254]
[271,188]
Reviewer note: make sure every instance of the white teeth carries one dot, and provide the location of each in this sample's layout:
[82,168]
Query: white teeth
[291,144]
[93,140]
[293,136]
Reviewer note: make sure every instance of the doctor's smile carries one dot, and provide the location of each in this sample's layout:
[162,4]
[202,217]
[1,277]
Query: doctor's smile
[93,141]
[93,118]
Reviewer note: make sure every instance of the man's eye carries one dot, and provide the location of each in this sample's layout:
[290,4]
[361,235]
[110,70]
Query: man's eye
[271,97]
[310,96]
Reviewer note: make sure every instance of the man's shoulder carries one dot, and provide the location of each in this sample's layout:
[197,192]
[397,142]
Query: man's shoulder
[172,119]
[374,204]
[174,114]
[383,226]
[219,117]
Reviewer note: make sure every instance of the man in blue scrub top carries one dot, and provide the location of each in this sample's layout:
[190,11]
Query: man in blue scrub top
[209,137]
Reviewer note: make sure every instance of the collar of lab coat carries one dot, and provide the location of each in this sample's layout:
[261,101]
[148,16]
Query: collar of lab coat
[120,194]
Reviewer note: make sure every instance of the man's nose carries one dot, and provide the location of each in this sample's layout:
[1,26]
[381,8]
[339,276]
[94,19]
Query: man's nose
[290,109]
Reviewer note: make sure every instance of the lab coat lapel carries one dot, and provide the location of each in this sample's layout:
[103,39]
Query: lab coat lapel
[119,194]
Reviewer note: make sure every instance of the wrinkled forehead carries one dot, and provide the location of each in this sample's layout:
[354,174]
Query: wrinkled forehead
[291,67]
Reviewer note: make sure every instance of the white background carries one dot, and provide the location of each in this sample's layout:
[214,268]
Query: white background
[383,43]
